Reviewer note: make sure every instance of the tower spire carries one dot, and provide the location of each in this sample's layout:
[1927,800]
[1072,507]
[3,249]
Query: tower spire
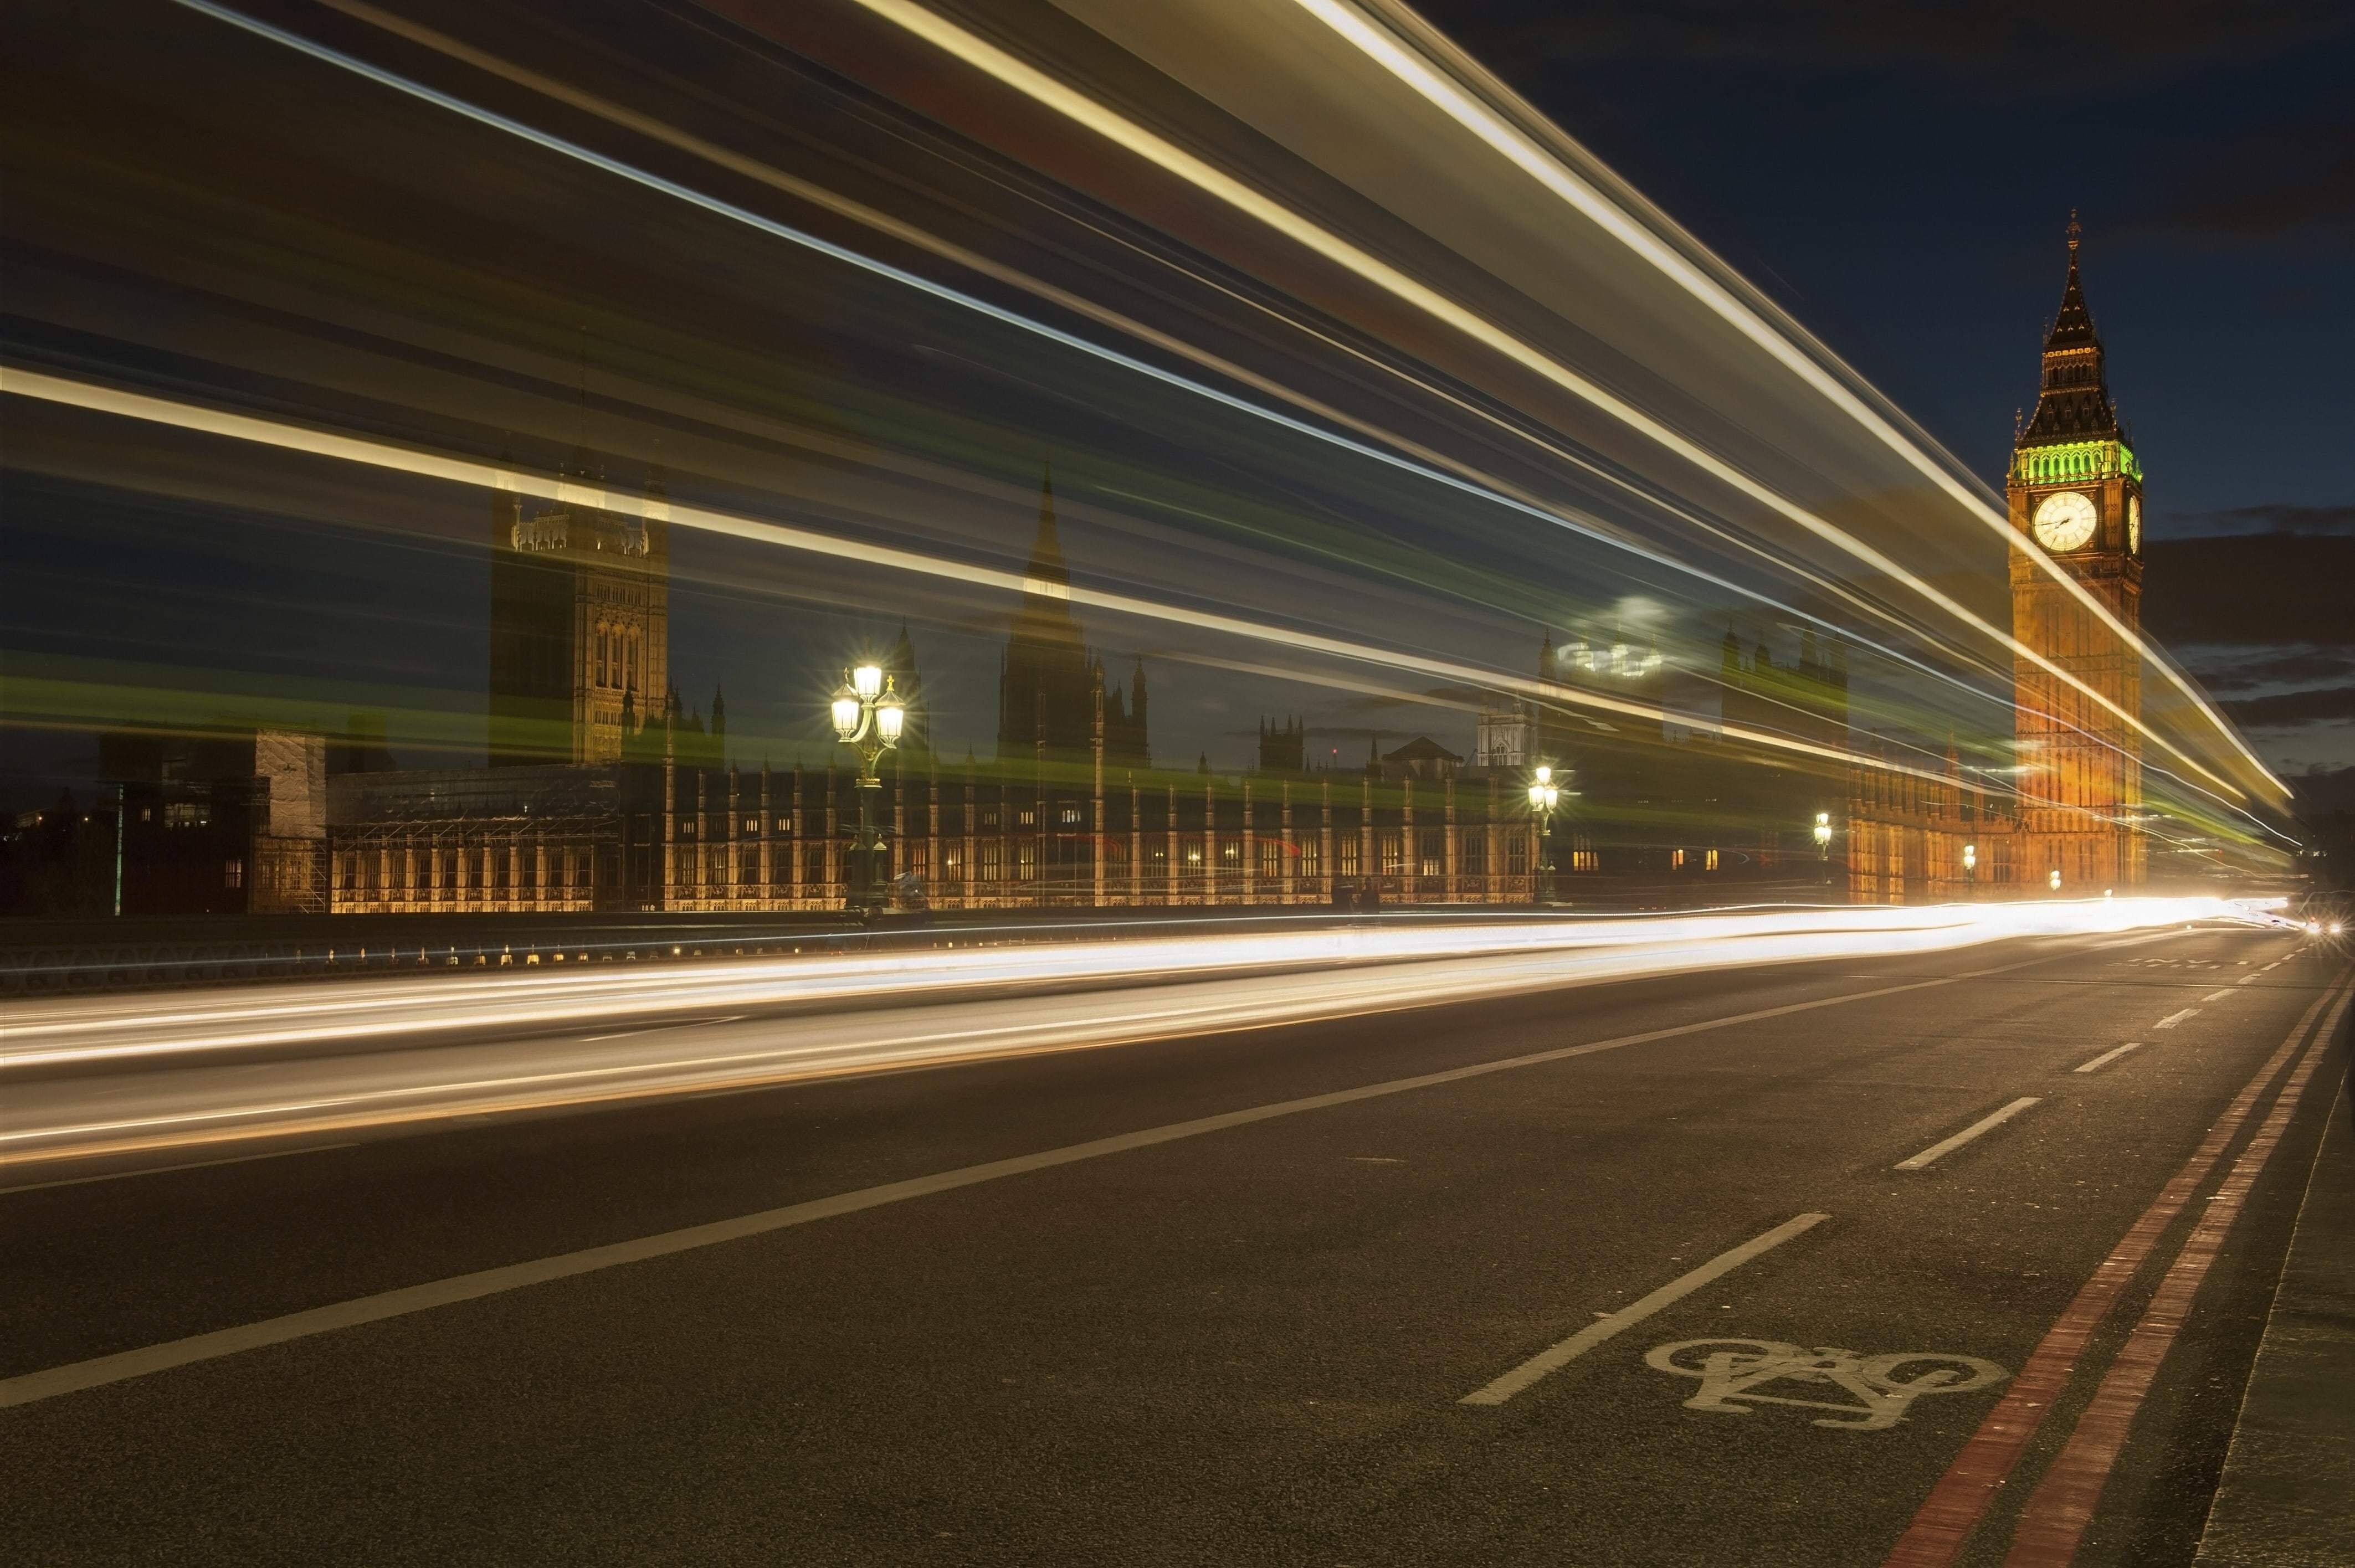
[1047,565]
[2073,403]
[582,465]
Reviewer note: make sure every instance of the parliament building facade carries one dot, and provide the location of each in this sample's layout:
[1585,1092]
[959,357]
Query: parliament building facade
[606,793]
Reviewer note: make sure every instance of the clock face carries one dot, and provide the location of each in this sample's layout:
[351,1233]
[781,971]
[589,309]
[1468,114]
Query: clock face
[2065,521]
[2133,525]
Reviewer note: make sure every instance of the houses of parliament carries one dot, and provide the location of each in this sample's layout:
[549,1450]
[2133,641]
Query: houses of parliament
[605,791]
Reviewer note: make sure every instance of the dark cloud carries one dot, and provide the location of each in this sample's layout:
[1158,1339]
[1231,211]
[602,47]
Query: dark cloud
[2324,789]
[2284,710]
[2223,672]
[2003,45]
[1454,696]
[2275,184]
[2272,589]
[2269,517]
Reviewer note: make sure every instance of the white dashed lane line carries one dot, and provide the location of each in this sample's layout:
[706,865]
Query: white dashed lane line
[1556,1357]
[2107,1057]
[2172,1019]
[1939,1151]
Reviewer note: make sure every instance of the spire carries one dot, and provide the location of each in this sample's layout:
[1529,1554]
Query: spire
[581,465]
[657,488]
[2074,404]
[1046,551]
[1548,670]
[2073,326]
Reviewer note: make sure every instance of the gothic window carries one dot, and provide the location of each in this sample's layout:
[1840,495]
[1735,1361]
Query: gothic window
[1346,856]
[1312,857]
[1516,855]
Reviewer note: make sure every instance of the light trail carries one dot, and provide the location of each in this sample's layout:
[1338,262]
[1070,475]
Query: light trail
[1478,485]
[105,1076]
[1453,472]
[1557,178]
[1124,132]
[1503,492]
[50,387]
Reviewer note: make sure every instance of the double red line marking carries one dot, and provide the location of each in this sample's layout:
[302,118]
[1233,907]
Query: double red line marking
[2062,1505]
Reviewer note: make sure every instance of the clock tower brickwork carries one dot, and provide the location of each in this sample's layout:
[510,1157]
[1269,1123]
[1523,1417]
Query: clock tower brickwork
[2080,776]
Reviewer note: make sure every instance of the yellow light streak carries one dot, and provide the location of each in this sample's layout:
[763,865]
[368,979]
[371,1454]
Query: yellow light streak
[1124,132]
[1461,474]
[1556,176]
[910,234]
[288,437]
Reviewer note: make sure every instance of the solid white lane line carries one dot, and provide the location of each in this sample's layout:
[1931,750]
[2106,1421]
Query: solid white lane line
[2218,995]
[2108,1056]
[100,1371]
[2172,1019]
[1556,1357]
[1939,1151]
[163,1169]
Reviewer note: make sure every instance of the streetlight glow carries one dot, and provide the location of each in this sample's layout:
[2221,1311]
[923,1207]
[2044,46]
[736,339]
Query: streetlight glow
[1970,857]
[869,717]
[2053,879]
[846,711]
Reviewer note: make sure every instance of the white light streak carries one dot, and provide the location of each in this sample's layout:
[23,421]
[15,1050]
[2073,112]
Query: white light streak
[53,388]
[1125,132]
[110,1075]
[1456,475]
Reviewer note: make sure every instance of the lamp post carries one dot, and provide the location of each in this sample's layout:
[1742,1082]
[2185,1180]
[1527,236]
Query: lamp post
[1823,835]
[868,717]
[1971,868]
[1544,796]
[2052,879]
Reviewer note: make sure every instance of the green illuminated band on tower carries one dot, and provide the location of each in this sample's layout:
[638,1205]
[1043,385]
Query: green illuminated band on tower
[2075,460]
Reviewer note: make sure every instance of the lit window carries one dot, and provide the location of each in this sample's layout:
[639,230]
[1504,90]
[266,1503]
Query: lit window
[233,874]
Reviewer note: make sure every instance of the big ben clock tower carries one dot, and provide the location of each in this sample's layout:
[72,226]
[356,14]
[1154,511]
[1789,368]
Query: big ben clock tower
[2075,490]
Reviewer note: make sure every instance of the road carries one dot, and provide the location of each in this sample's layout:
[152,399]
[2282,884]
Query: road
[1222,1299]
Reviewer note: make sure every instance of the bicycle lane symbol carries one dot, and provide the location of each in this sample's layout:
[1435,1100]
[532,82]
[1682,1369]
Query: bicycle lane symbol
[1884,1387]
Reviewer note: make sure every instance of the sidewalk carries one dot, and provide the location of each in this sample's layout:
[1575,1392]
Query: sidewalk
[2286,1498]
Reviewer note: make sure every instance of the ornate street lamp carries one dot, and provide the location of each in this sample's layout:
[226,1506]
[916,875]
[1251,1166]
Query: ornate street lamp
[1544,796]
[868,717]
[2053,879]
[1971,865]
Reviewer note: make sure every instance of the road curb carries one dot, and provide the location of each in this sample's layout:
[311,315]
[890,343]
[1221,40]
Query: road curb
[2281,1499]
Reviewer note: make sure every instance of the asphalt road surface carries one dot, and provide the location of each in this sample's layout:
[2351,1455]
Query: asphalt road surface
[1721,1288]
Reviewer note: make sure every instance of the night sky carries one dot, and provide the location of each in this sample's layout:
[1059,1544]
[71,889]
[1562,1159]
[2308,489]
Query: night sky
[1899,177]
